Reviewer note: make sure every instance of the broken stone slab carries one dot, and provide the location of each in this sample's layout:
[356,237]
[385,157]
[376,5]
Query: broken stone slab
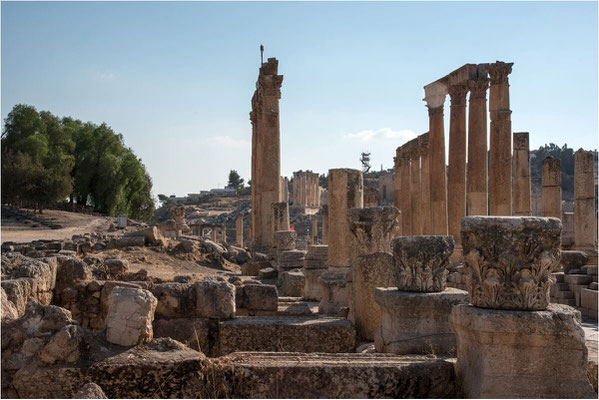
[416,323]
[151,234]
[292,283]
[509,260]
[197,333]
[253,268]
[285,240]
[9,311]
[369,272]
[421,262]
[64,346]
[215,298]
[521,354]
[290,259]
[175,300]
[127,241]
[304,334]
[116,266]
[268,273]
[334,376]
[130,316]
[107,288]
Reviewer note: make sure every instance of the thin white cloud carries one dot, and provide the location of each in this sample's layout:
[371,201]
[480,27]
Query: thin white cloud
[227,141]
[105,76]
[383,133]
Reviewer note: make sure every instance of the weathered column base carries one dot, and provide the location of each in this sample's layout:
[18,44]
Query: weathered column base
[313,288]
[521,354]
[334,293]
[416,322]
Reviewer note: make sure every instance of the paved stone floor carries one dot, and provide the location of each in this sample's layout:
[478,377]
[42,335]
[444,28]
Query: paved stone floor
[591,332]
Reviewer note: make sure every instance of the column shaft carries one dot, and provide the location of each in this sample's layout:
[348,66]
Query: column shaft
[585,214]
[437,171]
[415,198]
[477,148]
[551,195]
[521,171]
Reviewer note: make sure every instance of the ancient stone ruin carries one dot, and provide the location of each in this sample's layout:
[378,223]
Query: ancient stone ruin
[437,283]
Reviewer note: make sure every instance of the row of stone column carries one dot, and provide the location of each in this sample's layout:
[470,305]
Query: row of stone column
[306,191]
[483,185]
[585,214]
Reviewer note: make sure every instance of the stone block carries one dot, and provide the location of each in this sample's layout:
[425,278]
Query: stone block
[107,289]
[421,262]
[578,279]
[127,241]
[9,311]
[116,266]
[559,277]
[591,270]
[197,333]
[416,323]
[290,259]
[301,334]
[588,299]
[573,259]
[593,286]
[292,283]
[334,293]
[312,288]
[260,297]
[130,316]
[369,272]
[521,354]
[175,300]
[253,268]
[214,299]
[285,240]
[334,376]
[90,391]
[509,260]
[268,273]
[373,228]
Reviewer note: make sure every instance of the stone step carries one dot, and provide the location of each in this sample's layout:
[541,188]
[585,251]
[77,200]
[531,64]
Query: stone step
[333,376]
[591,270]
[559,277]
[594,286]
[568,302]
[304,334]
[564,294]
[578,279]
[588,299]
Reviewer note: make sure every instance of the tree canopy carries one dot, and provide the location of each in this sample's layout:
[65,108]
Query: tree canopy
[46,159]
[235,181]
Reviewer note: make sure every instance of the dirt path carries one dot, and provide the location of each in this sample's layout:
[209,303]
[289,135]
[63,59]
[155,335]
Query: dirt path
[72,223]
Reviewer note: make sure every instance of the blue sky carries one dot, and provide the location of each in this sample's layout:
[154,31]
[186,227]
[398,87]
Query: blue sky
[176,79]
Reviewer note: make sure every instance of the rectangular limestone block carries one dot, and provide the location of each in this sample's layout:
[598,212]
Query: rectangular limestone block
[588,299]
[591,270]
[334,376]
[578,279]
[559,277]
[303,334]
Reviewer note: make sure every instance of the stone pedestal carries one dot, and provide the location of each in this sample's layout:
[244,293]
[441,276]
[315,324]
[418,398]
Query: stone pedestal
[521,354]
[315,264]
[334,293]
[477,146]
[551,195]
[416,323]
[291,259]
[521,175]
[346,189]
[509,260]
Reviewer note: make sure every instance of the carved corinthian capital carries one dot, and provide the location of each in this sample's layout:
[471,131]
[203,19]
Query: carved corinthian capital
[509,260]
[373,228]
[478,88]
[457,94]
[421,262]
[499,72]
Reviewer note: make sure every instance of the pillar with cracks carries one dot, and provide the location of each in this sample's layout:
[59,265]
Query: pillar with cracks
[456,174]
[551,195]
[266,151]
[435,97]
[500,147]
[477,146]
[521,175]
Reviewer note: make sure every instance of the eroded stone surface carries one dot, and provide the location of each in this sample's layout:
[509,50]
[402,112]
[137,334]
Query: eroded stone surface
[130,316]
[373,228]
[508,261]
[421,262]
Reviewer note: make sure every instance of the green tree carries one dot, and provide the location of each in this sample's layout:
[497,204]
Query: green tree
[235,181]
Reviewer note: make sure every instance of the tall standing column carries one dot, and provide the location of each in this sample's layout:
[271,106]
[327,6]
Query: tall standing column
[266,149]
[477,146]
[551,195]
[585,215]
[435,97]
[415,190]
[425,192]
[500,147]
[239,230]
[521,171]
[404,194]
[346,191]
[456,174]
